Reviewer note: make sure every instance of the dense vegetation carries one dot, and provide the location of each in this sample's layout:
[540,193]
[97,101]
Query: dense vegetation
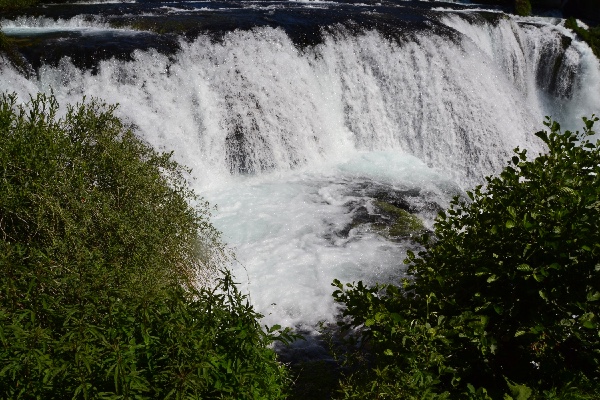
[504,301]
[10,5]
[101,248]
[522,7]
[590,36]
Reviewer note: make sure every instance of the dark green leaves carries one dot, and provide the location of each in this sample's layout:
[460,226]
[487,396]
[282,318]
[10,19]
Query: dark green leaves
[514,275]
[100,256]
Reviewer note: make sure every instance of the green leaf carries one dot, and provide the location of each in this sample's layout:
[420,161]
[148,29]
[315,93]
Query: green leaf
[511,211]
[396,317]
[524,267]
[519,392]
[593,296]
[471,388]
[589,324]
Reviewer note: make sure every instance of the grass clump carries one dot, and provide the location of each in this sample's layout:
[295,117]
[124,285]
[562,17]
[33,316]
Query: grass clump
[102,246]
[504,302]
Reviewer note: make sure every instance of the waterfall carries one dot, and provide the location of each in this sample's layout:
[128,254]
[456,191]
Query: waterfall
[283,138]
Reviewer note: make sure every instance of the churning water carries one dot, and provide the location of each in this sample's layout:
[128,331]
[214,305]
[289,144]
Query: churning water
[295,116]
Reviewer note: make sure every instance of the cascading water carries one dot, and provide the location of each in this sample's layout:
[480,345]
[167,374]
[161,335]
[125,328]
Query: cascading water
[293,141]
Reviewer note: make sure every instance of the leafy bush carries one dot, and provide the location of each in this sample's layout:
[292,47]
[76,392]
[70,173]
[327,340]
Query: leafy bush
[590,36]
[9,5]
[522,7]
[506,298]
[100,255]
[85,188]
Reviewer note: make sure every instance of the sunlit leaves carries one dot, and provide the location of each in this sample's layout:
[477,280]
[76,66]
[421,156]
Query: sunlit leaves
[515,274]
[102,251]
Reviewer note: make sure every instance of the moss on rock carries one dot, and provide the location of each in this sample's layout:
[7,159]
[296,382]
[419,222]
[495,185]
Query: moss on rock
[401,222]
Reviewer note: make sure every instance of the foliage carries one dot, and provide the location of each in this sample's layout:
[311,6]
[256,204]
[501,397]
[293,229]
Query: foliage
[197,344]
[504,303]
[100,254]
[84,188]
[522,7]
[404,353]
[11,5]
[590,36]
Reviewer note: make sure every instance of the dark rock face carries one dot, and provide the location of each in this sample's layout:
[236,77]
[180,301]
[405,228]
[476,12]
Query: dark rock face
[159,28]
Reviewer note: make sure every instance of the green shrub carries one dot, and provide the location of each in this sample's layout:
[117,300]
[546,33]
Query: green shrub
[590,36]
[10,5]
[84,188]
[522,7]
[507,295]
[402,355]
[100,254]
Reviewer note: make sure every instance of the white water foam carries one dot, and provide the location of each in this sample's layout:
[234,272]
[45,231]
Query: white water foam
[431,114]
[519,45]
[31,26]
[51,24]
[285,227]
